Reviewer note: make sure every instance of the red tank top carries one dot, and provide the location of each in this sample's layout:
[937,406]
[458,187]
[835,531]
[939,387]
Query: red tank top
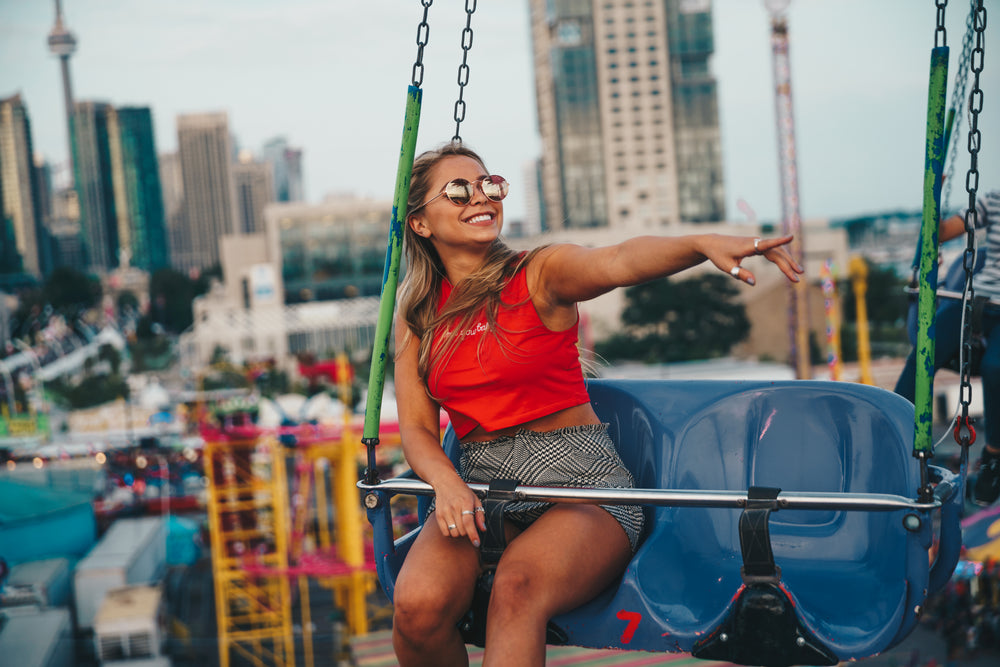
[530,372]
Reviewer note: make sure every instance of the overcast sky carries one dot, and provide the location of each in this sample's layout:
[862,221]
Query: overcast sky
[331,76]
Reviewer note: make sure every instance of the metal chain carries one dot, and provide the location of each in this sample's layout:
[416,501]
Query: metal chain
[463,69]
[940,34]
[958,103]
[423,36]
[971,214]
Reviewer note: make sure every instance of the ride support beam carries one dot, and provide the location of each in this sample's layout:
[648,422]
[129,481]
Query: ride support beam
[390,275]
[798,310]
[928,269]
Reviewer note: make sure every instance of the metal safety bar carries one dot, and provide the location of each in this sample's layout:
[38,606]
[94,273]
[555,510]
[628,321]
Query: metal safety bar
[872,502]
[950,294]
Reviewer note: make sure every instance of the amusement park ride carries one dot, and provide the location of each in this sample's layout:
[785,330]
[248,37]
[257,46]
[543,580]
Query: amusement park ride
[788,523]
[265,540]
[796,522]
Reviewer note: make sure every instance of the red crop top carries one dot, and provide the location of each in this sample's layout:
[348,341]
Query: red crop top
[530,373]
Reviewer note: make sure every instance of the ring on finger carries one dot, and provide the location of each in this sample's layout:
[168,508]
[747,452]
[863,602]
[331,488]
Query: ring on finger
[478,509]
[735,271]
[452,526]
[468,512]
[756,244]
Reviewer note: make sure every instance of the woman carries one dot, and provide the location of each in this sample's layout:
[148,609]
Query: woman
[489,334]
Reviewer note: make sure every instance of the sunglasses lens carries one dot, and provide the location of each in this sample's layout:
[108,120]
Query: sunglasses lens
[459,191]
[495,187]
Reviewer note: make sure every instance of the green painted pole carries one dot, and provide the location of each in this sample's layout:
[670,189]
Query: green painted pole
[927,297]
[948,124]
[390,275]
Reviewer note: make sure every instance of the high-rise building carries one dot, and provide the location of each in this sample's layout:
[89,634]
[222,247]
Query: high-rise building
[173,209]
[25,243]
[205,150]
[331,250]
[64,226]
[627,112]
[252,181]
[48,252]
[701,192]
[142,232]
[94,184]
[286,164]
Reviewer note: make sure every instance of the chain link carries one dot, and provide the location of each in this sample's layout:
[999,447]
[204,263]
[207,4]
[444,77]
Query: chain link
[971,214]
[423,36]
[463,69]
[958,104]
[940,34]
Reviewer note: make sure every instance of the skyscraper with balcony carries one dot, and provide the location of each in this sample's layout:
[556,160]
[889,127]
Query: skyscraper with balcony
[205,150]
[627,113]
[24,238]
[141,220]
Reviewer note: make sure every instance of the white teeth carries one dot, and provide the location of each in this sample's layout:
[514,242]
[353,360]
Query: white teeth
[485,217]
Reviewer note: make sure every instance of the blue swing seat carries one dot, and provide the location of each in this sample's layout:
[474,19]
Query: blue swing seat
[857,580]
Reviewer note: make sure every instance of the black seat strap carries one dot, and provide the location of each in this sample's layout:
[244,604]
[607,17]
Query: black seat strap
[755,536]
[494,540]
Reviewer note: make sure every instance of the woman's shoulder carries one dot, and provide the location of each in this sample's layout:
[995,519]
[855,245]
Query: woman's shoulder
[538,266]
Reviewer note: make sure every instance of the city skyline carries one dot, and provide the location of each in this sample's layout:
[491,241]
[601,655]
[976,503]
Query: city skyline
[331,77]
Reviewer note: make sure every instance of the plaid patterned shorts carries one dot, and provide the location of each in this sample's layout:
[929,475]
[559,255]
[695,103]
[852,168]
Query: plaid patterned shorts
[577,456]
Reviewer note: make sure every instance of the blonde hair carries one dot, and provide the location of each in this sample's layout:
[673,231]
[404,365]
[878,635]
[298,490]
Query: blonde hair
[479,293]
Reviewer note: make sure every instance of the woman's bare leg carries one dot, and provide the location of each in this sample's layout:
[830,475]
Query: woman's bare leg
[561,561]
[433,591]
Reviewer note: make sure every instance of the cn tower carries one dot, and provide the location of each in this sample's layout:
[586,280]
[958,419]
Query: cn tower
[62,43]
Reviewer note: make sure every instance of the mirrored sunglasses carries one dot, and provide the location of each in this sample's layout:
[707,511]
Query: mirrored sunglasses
[460,191]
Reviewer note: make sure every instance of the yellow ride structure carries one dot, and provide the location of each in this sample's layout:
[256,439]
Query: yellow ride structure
[267,537]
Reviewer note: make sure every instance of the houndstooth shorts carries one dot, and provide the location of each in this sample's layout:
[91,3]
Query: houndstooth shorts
[575,456]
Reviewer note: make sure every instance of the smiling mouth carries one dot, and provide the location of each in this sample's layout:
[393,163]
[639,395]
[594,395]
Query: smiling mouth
[480,219]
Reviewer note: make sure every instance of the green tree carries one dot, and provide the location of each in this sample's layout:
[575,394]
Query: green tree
[127,300]
[170,295]
[69,290]
[66,291]
[665,321]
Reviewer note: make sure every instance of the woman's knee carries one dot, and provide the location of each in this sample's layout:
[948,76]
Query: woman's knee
[420,609]
[515,586]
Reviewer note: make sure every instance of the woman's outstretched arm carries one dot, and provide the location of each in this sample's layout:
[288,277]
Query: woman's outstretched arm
[568,273]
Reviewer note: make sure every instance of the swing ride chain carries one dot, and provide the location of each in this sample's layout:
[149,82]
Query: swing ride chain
[423,36]
[463,69]
[939,31]
[971,218]
[958,102]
